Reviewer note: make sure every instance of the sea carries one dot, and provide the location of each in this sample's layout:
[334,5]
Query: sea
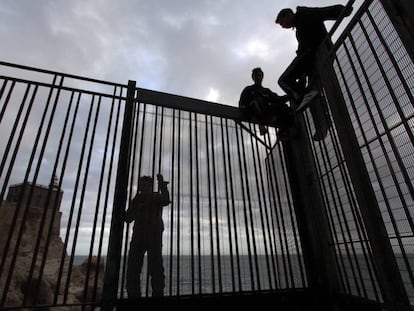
[187,275]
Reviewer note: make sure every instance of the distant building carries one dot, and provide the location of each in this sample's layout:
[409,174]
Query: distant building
[32,202]
[39,195]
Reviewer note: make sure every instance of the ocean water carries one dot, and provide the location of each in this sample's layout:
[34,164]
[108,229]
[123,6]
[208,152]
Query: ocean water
[186,275]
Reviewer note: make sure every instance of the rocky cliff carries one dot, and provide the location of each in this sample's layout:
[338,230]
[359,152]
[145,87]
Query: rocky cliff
[61,282]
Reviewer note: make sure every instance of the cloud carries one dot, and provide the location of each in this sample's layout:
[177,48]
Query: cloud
[176,47]
[201,49]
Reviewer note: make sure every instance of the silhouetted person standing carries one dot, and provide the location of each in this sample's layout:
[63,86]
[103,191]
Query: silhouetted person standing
[260,104]
[310,33]
[146,210]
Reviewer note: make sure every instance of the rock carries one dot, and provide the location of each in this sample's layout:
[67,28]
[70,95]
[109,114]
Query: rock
[42,290]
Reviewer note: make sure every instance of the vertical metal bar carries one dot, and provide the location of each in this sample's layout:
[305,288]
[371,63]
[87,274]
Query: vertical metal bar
[160,171]
[276,198]
[260,192]
[287,263]
[6,102]
[154,143]
[213,159]
[292,218]
[197,152]
[311,215]
[172,203]
[126,230]
[142,138]
[282,232]
[210,209]
[3,88]
[270,221]
[14,128]
[255,268]
[225,143]
[245,192]
[233,209]
[120,197]
[192,266]
[270,251]
[178,267]
[291,209]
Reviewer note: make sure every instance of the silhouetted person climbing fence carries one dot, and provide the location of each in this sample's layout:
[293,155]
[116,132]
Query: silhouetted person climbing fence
[297,79]
[260,104]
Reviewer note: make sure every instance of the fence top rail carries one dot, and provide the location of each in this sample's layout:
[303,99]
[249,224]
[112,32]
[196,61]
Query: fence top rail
[147,96]
[188,104]
[65,88]
[355,20]
[66,75]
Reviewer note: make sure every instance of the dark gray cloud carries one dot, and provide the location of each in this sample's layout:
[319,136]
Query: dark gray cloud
[203,49]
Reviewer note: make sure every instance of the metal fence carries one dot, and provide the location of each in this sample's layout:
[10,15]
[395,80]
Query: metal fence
[230,226]
[57,138]
[374,71]
[241,208]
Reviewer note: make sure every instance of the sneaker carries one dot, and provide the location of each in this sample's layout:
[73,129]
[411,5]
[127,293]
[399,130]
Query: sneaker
[307,99]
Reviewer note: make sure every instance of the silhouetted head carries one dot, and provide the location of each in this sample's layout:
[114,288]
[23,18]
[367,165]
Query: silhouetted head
[286,18]
[257,75]
[145,184]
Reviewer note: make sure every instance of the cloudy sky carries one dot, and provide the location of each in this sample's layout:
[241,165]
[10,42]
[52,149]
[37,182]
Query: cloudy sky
[197,48]
[203,49]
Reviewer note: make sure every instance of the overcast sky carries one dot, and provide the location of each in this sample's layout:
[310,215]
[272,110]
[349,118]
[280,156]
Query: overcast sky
[203,49]
[197,48]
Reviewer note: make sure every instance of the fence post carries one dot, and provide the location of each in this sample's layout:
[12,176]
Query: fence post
[117,224]
[388,274]
[313,223]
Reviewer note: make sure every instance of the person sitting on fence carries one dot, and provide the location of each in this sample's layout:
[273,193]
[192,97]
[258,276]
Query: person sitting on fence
[146,212]
[260,104]
[296,80]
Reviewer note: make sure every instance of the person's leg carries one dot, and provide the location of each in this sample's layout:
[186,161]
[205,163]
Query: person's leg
[291,80]
[156,266]
[312,91]
[281,114]
[282,118]
[135,261]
